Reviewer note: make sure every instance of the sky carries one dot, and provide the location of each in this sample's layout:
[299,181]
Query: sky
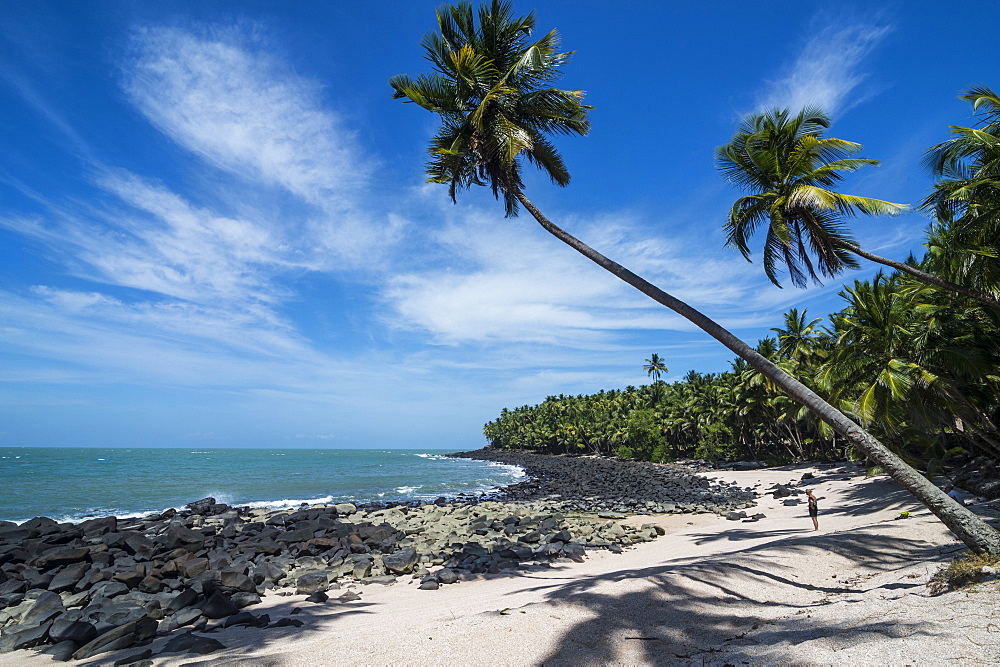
[215,229]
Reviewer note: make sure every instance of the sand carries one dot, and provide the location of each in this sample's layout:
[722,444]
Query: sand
[711,591]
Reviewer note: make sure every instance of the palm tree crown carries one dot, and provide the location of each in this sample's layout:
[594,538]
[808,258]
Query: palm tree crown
[789,167]
[655,367]
[491,87]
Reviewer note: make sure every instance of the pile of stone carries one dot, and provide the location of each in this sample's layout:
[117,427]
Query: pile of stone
[596,484]
[79,590]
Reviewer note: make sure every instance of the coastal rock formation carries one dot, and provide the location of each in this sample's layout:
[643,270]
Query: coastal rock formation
[596,484]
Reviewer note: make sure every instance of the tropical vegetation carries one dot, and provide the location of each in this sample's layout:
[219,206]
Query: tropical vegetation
[491,89]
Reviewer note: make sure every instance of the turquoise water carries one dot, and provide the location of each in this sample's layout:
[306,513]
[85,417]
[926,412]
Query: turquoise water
[70,484]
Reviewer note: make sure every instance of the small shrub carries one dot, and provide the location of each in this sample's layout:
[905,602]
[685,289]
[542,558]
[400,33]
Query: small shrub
[903,515]
[962,571]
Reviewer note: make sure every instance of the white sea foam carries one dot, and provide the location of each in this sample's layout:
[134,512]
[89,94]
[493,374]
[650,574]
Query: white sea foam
[404,490]
[287,503]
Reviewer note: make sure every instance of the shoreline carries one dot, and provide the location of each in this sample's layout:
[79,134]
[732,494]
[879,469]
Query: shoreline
[773,569]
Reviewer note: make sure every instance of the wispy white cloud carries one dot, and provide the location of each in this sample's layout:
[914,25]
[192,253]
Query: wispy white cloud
[828,70]
[511,283]
[245,111]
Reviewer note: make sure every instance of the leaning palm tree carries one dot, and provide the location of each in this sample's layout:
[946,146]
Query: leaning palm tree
[655,367]
[491,89]
[789,168]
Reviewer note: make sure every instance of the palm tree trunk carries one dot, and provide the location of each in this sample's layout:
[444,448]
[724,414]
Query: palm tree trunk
[969,528]
[923,276]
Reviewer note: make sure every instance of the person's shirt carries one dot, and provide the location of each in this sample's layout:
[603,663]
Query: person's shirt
[955,495]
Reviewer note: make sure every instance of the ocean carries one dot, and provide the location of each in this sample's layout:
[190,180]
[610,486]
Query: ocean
[72,484]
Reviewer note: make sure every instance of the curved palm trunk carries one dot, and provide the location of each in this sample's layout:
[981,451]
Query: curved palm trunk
[923,276]
[964,524]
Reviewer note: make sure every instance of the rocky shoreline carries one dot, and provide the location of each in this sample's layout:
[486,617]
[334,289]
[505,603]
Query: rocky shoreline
[74,591]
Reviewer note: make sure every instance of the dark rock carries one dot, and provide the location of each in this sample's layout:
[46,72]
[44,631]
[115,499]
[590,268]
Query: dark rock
[118,638]
[61,556]
[192,567]
[203,506]
[67,577]
[402,561]
[243,618]
[181,537]
[446,576]
[61,652]
[318,596]
[180,618]
[736,516]
[107,524]
[429,585]
[292,536]
[17,637]
[133,659]
[46,607]
[191,643]
[79,632]
[349,596]
[310,583]
[218,606]
[244,599]
[288,623]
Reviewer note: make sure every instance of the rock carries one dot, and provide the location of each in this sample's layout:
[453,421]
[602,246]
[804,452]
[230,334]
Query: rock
[311,583]
[402,561]
[191,643]
[735,516]
[288,623]
[192,567]
[17,637]
[318,596]
[79,632]
[345,509]
[349,596]
[180,618]
[203,506]
[247,619]
[180,537]
[118,638]
[292,536]
[244,599]
[62,651]
[61,556]
[429,585]
[185,598]
[135,658]
[107,524]
[218,606]
[446,576]
[46,607]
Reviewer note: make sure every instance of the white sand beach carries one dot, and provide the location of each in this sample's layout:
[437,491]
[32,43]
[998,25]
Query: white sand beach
[711,591]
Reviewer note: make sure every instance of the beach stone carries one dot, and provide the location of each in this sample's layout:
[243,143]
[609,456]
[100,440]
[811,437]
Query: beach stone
[79,632]
[109,589]
[202,506]
[118,638]
[288,623]
[15,534]
[62,651]
[349,596]
[191,643]
[192,567]
[446,576]
[318,596]
[136,660]
[402,561]
[17,637]
[311,583]
[429,584]
[46,606]
[345,509]
[185,598]
[63,555]
[182,537]
[180,618]
[218,606]
[292,536]
[736,516]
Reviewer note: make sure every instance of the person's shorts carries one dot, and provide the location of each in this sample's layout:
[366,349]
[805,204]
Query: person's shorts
[813,511]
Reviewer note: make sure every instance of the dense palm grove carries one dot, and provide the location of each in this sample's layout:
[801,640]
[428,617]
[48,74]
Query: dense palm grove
[915,363]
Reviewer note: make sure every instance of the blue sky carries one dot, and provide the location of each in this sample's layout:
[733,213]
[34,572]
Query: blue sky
[215,231]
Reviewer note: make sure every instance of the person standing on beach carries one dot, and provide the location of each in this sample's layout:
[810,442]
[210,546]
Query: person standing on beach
[813,509]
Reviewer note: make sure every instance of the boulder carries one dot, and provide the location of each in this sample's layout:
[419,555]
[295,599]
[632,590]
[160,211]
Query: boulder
[61,556]
[311,583]
[17,637]
[191,643]
[345,509]
[99,526]
[79,632]
[46,607]
[121,637]
[402,561]
[218,606]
